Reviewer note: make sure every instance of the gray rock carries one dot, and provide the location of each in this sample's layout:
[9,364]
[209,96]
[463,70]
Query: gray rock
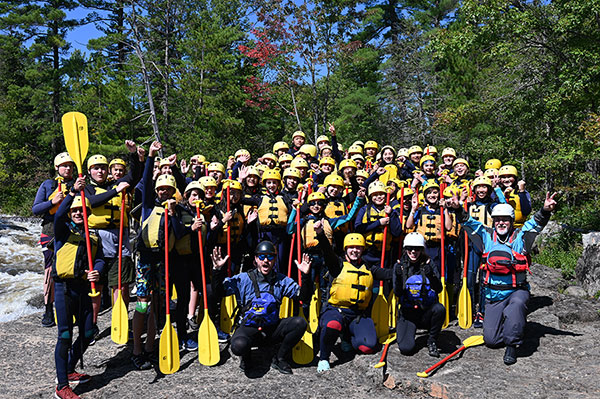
[587,271]
[552,229]
[577,291]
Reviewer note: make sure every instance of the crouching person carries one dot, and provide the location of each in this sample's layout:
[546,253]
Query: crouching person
[505,265]
[71,284]
[417,285]
[259,293]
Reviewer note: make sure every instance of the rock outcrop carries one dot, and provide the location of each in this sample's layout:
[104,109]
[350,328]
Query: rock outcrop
[587,271]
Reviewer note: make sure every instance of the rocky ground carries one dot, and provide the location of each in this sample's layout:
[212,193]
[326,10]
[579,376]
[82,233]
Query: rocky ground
[559,359]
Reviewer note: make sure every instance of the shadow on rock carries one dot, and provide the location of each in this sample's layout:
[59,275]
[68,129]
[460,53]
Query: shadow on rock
[114,368]
[533,332]
[538,302]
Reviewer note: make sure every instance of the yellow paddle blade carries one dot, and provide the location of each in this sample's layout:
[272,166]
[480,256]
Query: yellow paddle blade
[174,294]
[303,352]
[443,298]
[473,341]
[209,353]
[168,352]
[380,315]
[387,339]
[119,325]
[392,310]
[314,310]
[286,309]
[422,374]
[228,305]
[75,131]
[465,312]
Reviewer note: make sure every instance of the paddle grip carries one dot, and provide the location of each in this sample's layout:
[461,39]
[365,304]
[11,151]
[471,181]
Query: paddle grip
[201,248]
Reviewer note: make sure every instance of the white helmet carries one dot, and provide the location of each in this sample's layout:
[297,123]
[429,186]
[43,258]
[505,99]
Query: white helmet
[503,210]
[414,240]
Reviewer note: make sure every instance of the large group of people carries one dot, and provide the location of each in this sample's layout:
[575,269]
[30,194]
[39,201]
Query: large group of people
[346,225]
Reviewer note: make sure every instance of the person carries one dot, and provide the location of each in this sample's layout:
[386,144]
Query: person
[347,310]
[506,254]
[71,276]
[417,285]
[47,200]
[298,140]
[515,193]
[263,288]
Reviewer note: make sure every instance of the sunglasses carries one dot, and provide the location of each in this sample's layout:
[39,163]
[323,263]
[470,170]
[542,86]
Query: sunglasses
[266,256]
[313,203]
[413,249]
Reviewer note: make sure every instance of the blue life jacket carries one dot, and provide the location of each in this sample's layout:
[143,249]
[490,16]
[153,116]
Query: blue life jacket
[418,292]
[264,308]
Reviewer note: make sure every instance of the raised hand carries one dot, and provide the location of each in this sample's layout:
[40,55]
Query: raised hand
[304,267]
[550,202]
[217,259]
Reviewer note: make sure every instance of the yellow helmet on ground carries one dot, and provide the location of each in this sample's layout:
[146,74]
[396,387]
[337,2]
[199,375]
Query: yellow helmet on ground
[61,158]
[493,164]
[316,196]
[354,240]
[508,170]
[271,174]
[96,160]
[334,180]
[165,181]
[216,167]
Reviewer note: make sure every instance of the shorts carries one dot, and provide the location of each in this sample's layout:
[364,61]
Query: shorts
[149,275]
[110,274]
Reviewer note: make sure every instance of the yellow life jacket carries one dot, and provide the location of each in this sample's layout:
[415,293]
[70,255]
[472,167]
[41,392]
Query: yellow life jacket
[515,201]
[429,226]
[309,236]
[336,208]
[375,237]
[455,230]
[481,214]
[185,244]
[64,189]
[151,229]
[272,211]
[107,215]
[71,259]
[352,287]
[236,227]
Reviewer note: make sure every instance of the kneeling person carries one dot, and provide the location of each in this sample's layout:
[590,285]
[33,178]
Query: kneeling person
[259,293]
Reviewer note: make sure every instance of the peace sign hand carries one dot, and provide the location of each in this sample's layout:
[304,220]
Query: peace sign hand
[550,202]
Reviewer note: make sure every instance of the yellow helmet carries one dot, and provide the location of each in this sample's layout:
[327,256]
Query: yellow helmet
[362,173]
[326,147]
[460,160]
[481,180]
[309,150]
[232,184]
[286,158]
[299,162]
[316,196]
[164,162]
[117,161]
[450,191]
[270,156]
[354,240]
[322,139]
[298,133]
[291,172]
[449,151]
[280,146]
[354,157]
[200,158]
[414,149]
[348,163]
[426,158]
[333,180]
[77,203]
[61,158]
[388,147]
[407,192]
[271,174]
[216,167]
[376,187]
[430,185]
[165,181]
[396,181]
[327,161]
[241,152]
[355,149]
[96,160]
[193,185]
[430,150]
[493,164]
[508,170]
[489,173]
[372,144]
[359,143]
[403,152]
[252,171]
[208,181]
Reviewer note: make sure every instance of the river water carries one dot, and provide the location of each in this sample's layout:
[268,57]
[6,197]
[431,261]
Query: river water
[21,266]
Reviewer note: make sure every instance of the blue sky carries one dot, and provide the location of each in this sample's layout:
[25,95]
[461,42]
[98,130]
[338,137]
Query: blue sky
[80,36]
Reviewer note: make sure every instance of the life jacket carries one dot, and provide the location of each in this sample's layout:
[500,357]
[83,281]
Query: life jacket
[374,238]
[352,287]
[481,213]
[153,231]
[455,230]
[108,215]
[309,236]
[501,259]
[188,244]
[263,311]
[515,201]
[272,211]
[429,224]
[71,259]
[63,188]
[336,208]
[236,227]
[418,292]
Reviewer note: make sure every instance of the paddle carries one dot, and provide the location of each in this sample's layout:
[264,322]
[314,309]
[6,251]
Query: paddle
[228,304]
[380,312]
[286,309]
[467,343]
[387,342]
[465,312]
[76,140]
[208,340]
[168,361]
[119,331]
[443,295]
[303,352]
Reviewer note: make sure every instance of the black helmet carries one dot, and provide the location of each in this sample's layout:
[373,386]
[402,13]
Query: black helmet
[266,247]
